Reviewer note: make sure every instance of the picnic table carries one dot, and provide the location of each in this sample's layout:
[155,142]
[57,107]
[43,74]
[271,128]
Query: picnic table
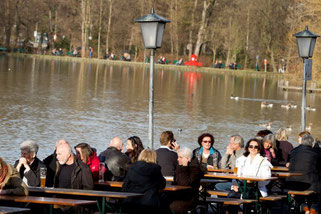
[46,200]
[89,193]
[9,210]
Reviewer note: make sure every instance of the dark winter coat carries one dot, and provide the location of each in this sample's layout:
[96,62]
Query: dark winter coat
[144,178]
[306,160]
[51,163]
[285,147]
[167,159]
[117,164]
[33,175]
[190,175]
[81,176]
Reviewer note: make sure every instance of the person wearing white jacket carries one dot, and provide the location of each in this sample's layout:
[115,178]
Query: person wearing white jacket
[252,163]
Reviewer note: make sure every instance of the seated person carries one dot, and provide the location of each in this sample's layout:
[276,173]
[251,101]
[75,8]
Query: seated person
[305,159]
[29,165]
[207,155]
[145,176]
[87,155]
[271,151]
[125,57]
[179,62]
[166,154]
[188,173]
[134,147]
[252,163]
[75,52]
[117,162]
[283,144]
[10,181]
[71,173]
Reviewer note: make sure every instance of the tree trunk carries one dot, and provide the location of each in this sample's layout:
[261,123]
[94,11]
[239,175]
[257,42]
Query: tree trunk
[8,23]
[206,13]
[50,17]
[247,38]
[190,39]
[83,26]
[176,29]
[109,24]
[172,27]
[273,61]
[99,29]
[228,55]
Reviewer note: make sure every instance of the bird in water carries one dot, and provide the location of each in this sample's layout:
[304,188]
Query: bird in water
[309,127]
[309,108]
[266,125]
[289,128]
[293,106]
[232,97]
[179,129]
[266,105]
[286,106]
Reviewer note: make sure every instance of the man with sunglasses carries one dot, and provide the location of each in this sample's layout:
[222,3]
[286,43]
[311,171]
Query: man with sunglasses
[167,153]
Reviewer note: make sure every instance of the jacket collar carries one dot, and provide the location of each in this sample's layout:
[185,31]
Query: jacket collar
[211,150]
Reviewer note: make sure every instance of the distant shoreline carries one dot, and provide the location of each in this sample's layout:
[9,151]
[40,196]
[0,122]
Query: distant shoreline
[165,66]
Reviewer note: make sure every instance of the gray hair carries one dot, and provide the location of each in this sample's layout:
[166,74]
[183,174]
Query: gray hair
[62,142]
[30,146]
[238,139]
[186,152]
[307,140]
[271,138]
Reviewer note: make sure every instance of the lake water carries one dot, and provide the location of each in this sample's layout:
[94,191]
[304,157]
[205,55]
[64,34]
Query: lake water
[47,99]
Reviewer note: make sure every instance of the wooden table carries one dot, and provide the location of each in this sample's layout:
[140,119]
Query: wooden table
[280,168]
[221,170]
[9,210]
[245,179]
[119,184]
[46,200]
[92,193]
[286,174]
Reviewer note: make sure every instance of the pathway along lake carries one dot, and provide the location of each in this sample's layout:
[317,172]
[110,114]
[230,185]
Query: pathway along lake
[48,99]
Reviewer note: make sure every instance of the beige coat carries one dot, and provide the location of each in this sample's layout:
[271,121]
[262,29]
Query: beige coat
[13,183]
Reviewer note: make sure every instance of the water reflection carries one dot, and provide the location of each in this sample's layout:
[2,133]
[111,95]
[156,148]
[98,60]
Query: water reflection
[45,100]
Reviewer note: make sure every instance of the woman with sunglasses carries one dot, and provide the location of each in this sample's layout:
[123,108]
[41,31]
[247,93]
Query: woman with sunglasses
[134,147]
[253,163]
[207,155]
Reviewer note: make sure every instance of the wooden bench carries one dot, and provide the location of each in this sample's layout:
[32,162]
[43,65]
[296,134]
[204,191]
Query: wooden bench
[304,193]
[218,193]
[273,198]
[228,202]
[293,201]
[10,210]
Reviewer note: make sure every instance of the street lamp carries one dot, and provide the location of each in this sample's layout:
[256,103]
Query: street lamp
[152,27]
[305,42]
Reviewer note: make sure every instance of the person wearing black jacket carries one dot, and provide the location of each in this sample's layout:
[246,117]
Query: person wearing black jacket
[188,173]
[145,177]
[307,160]
[29,165]
[166,154]
[71,172]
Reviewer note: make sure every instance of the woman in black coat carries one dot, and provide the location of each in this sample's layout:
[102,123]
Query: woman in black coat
[144,177]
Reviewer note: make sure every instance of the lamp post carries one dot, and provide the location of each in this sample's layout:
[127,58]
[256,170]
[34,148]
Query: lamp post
[152,27]
[305,42]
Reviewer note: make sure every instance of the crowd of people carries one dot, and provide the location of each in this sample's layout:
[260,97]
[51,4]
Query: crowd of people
[142,170]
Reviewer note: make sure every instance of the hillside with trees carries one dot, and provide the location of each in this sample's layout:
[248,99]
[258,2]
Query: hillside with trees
[239,31]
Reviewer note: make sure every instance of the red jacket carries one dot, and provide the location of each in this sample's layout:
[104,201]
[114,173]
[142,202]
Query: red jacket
[93,163]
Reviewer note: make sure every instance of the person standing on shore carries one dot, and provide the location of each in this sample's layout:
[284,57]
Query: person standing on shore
[91,51]
[29,165]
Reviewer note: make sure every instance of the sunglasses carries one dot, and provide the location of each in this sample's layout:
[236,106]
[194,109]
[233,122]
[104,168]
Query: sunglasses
[253,147]
[206,141]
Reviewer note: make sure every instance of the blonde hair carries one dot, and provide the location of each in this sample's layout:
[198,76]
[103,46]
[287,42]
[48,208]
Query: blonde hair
[282,134]
[147,155]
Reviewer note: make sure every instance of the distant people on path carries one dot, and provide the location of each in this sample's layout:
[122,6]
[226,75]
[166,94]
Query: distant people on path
[179,62]
[207,155]
[125,57]
[10,181]
[88,155]
[134,147]
[167,153]
[117,162]
[218,64]
[188,173]
[161,60]
[71,172]
[91,51]
[307,160]
[283,144]
[145,176]
[253,163]
[234,150]
[29,165]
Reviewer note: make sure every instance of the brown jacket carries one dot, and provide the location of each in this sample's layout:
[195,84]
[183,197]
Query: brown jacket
[13,183]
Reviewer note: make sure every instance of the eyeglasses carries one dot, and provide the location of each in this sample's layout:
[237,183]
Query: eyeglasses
[253,147]
[206,141]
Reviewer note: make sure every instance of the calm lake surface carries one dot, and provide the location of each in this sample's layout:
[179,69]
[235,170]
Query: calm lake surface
[47,99]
